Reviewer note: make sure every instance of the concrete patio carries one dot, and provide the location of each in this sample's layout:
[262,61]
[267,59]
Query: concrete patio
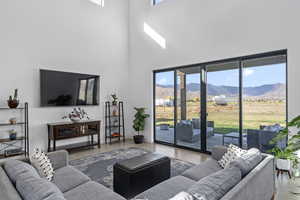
[215,139]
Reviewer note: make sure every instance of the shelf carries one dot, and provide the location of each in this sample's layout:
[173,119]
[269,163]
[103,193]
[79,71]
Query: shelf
[16,154]
[75,146]
[9,140]
[7,108]
[117,126]
[9,124]
[119,136]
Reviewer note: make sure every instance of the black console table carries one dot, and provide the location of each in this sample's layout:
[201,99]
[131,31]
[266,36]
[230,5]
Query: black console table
[68,130]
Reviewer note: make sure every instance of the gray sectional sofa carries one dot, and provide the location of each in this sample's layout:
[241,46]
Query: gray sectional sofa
[258,184]
[72,184]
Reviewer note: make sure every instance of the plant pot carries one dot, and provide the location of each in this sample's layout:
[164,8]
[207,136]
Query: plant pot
[138,139]
[283,164]
[12,103]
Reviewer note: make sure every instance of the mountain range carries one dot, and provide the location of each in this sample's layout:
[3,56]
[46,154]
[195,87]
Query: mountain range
[264,91]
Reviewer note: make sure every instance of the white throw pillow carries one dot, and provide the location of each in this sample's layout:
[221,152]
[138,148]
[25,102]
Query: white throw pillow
[182,196]
[233,153]
[42,163]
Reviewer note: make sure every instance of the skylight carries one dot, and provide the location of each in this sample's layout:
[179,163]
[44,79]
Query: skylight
[98,2]
[155,2]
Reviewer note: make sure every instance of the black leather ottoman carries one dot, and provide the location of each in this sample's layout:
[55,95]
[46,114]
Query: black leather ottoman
[135,175]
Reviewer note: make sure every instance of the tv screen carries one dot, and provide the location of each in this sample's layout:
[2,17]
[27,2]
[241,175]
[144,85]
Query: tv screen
[68,89]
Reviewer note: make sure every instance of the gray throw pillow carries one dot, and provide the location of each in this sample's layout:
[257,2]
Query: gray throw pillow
[34,188]
[247,161]
[15,168]
[215,186]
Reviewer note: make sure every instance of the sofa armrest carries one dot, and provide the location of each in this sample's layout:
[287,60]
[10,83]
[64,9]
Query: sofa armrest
[59,159]
[218,151]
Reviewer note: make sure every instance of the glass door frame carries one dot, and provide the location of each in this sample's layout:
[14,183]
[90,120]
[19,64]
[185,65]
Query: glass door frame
[203,101]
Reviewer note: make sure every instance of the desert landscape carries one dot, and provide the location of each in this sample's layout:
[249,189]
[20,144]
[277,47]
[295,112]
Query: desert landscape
[263,105]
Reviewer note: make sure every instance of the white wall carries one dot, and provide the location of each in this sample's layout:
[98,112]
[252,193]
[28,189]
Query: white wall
[66,35]
[199,31]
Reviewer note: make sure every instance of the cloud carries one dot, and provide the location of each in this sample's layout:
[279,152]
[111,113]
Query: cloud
[162,81]
[248,72]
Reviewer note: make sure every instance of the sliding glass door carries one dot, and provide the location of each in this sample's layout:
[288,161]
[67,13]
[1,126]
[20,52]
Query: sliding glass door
[164,107]
[264,101]
[239,101]
[188,104]
[223,94]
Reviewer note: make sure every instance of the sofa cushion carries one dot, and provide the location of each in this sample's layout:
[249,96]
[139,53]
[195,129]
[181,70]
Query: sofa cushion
[167,189]
[15,168]
[42,164]
[7,189]
[92,191]
[202,170]
[233,153]
[67,178]
[215,186]
[247,161]
[182,196]
[36,188]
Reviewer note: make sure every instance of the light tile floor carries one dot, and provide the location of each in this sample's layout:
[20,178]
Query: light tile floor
[284,185]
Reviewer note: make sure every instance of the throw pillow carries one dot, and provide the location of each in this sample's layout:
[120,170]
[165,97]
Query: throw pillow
[14,168]
[215,186]
[233,153]
[42,163]
[34,188]
[247,161]
[182,196]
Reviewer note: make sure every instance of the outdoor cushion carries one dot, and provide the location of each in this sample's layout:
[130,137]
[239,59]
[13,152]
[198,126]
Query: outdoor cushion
[92,191]
[67,178]
[247,161]
[167,189]
[202,170]
[215,186]
[14,168]
[35,188]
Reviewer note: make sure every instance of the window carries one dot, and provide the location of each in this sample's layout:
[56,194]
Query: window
[239,101]
[157,1]
[98,2]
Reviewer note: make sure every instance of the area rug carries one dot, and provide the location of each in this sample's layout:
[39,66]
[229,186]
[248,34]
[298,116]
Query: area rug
[99,167]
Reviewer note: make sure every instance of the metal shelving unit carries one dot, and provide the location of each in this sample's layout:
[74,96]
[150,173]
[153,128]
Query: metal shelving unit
[114,122]
[20,145]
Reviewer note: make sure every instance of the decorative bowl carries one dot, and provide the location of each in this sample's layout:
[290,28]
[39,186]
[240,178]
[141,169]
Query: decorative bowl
[75,119]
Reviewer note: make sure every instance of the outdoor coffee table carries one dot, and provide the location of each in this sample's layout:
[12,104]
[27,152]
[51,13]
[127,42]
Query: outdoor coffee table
[136,175]
[233,136]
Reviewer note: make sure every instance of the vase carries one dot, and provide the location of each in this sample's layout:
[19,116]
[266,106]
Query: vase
[283,164]
[13,135]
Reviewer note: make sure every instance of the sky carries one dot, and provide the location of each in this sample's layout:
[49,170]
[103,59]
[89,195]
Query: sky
[252,76]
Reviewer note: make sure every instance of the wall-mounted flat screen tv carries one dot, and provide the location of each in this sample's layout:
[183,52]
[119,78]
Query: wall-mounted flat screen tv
[68,89]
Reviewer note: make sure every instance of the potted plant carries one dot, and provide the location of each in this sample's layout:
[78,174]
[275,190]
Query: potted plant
[139,124]
[286,158]
[13,102]
[115,99]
